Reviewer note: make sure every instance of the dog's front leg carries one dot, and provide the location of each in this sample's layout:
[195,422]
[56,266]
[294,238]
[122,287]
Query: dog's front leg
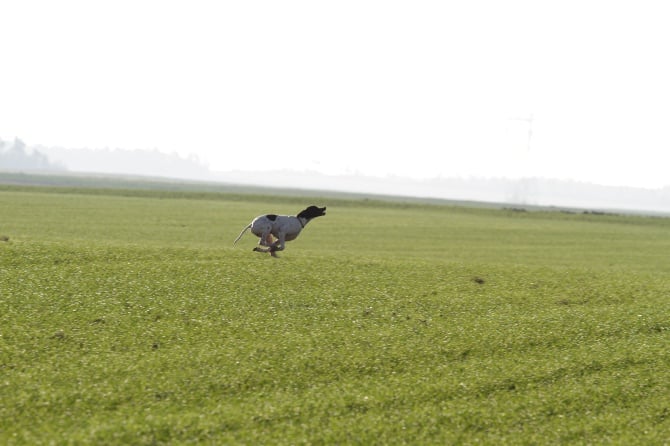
[275,246]
[278,245]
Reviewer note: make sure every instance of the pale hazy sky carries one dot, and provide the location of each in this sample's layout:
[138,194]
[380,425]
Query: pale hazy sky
[410,88]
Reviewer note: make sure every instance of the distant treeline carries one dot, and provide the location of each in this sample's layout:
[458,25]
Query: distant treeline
[16,155]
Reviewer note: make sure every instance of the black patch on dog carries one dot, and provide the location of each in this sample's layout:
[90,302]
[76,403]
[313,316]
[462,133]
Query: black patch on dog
[312,212]
[271,217]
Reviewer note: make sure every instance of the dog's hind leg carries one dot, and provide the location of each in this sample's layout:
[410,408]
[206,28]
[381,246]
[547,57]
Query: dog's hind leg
[265,240]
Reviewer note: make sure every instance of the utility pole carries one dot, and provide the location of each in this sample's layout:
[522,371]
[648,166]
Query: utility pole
[529,121]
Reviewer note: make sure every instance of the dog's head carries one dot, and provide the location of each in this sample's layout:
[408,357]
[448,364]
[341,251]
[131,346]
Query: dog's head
[312,212]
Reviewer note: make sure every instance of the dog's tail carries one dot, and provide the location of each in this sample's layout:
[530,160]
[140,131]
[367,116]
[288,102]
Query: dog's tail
[242,233]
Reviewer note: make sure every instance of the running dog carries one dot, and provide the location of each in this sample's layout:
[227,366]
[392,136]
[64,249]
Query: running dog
[283,227]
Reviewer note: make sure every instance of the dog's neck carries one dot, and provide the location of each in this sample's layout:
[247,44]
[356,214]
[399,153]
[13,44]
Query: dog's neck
[303,221]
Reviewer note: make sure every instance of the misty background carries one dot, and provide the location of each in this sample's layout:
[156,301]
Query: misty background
[522,101]
[17,156]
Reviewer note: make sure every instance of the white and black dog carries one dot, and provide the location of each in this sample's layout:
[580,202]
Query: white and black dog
[283,227]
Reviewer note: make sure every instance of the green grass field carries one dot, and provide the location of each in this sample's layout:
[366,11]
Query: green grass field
[127,317]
